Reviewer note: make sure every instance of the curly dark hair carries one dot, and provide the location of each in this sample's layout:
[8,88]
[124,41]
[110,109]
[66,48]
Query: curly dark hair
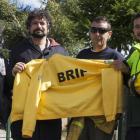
[137,15]
[100,19]
[40,14]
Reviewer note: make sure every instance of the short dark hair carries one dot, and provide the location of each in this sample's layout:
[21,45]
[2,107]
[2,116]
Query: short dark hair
[40,14]
[137,15]
[100,19]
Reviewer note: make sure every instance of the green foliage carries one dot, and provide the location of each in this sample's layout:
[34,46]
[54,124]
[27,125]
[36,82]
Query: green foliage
[71,22]
[120,13]
[15,31]
[13,18]
[63,27]
[4,53]
[122,22]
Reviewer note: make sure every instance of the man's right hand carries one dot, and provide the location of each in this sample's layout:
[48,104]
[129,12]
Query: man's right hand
[19,67]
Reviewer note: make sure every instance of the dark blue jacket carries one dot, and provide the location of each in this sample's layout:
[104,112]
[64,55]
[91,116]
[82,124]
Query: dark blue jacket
[27,51]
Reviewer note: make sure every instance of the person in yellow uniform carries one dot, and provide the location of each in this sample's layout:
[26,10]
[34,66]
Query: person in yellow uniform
[133,100]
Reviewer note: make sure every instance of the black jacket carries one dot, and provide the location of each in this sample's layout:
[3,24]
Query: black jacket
[27,51]
[5,94]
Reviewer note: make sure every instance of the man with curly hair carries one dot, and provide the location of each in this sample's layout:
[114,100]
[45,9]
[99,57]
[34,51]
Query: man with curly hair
[38,46]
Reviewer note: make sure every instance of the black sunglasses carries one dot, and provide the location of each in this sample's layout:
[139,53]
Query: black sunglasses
[101,30]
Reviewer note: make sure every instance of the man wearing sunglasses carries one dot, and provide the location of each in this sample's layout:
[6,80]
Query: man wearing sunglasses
[96,128]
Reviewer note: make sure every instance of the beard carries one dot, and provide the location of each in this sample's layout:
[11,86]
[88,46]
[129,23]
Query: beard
[37,35]
[138,39]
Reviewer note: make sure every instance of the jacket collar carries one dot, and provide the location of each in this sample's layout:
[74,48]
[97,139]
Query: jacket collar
[137,46]
[53,43]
